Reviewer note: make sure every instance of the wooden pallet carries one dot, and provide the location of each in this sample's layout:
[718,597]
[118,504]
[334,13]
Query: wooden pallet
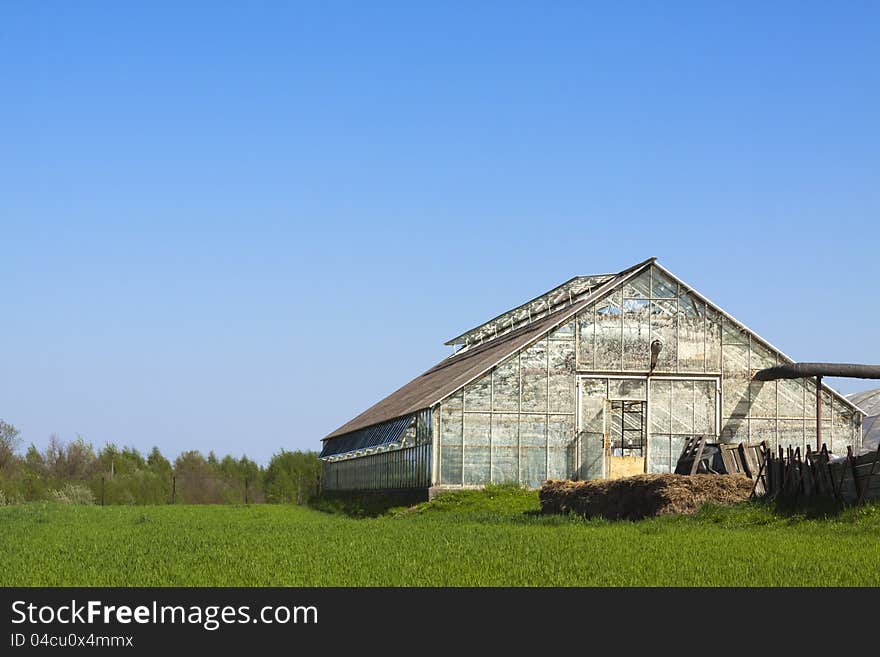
[689,460]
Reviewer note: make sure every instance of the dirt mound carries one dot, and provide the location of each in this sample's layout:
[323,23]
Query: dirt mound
[641,496]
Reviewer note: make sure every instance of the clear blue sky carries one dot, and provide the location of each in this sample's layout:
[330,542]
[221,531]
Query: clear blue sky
[234,226]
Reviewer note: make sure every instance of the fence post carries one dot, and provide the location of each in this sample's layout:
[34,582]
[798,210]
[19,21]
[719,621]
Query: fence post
[173,489]
[245,490]
[102,490]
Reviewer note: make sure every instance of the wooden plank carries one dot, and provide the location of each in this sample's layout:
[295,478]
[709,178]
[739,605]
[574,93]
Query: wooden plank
[743,451]
[701,444]
[852,465]
[728,460]
[761,479]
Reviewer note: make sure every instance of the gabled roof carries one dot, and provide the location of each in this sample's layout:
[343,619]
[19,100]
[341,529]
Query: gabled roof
[496,342]
[467,364]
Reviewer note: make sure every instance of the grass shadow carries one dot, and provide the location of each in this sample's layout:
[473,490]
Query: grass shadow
[365,504]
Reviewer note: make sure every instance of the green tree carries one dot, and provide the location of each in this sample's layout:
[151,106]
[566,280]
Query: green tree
[158,463]
[292,477]
[9,442]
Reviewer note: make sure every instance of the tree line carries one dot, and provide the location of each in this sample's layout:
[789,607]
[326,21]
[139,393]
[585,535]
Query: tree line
[74,472]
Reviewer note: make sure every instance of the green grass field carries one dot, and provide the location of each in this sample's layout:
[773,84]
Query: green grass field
[489,538]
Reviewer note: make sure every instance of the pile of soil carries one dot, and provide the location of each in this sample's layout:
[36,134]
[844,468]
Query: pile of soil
[642,496]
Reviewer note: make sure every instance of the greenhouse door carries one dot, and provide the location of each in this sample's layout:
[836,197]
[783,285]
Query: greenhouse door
[612,426]
[626,437]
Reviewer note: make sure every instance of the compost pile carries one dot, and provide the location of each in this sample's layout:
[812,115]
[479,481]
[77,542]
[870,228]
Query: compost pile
[642,496]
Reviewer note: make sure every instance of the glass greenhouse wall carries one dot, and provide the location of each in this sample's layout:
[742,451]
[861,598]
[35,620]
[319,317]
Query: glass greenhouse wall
[388,456]
[517,423]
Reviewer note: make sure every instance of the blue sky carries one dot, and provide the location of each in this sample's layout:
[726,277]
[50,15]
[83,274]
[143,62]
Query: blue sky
[235,227]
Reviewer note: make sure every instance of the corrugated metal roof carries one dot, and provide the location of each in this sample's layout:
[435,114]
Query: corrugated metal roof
[467,364]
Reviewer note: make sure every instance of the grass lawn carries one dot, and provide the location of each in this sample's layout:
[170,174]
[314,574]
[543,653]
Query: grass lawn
[475,538]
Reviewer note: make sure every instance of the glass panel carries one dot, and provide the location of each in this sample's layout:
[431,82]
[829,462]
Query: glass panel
[533,464]
[585,339]
[676,445]
[593,395]
[450,445]
[453,400]
[763,399]
[791,397]
[663,287]
[505,448]
[661,398]
[826,405]
[762,393]
[640,286]
[683,407]
[562,446]
[735,380]
[763,430]
[450,425]
[562,377]
[450,465]
[704,408]
[663,321]
[842,421]
[731,333]
[506,385]
[837,447]
[627,389]
[476,448]
[791,432]
[592,455]
[533,453]
[564,332]
[659,454]
[691,334]
[636,334]
[810,400]
[592,437]
[713,340]
[734,430]
[478,395]
[533,370]
[532,430]
[609,328]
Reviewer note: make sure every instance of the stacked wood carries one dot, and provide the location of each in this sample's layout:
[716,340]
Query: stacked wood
[787,473]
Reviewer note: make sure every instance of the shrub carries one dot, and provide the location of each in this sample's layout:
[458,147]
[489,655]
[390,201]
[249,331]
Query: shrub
[9,500]
[292,477]
[73,494]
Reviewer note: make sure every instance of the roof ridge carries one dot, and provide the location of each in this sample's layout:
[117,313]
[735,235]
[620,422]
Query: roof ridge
[544,301]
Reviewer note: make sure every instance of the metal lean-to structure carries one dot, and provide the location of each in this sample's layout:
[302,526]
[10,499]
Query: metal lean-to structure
[603,375]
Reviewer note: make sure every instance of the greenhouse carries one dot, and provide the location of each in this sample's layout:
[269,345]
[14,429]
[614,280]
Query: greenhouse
[869,402]
[603,376]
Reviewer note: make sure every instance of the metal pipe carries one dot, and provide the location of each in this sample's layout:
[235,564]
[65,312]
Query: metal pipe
[818,412]
[805,370]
